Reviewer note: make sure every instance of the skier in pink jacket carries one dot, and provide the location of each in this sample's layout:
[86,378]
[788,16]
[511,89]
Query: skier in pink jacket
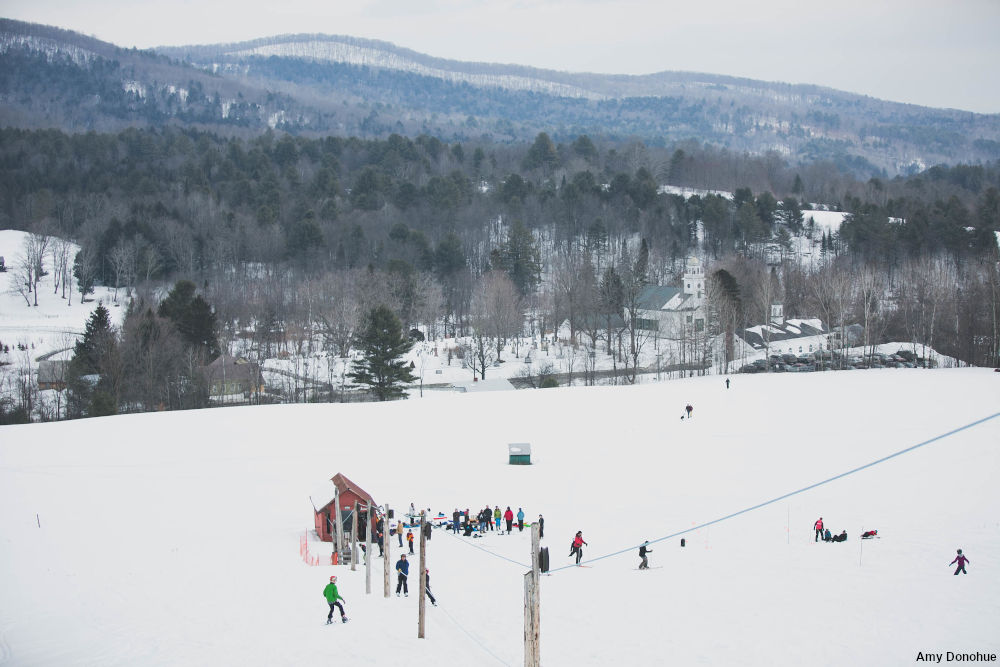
[961,560]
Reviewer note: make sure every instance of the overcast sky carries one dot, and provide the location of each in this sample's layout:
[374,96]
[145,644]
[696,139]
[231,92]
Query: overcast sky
[928,52]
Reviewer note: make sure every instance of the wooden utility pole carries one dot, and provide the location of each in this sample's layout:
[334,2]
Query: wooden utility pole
[368,549]
[338,526]
[421,603]
[532,608]
[385,549]
[354,539]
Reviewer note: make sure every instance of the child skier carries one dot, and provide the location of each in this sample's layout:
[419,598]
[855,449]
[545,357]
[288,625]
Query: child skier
[333,597]
[961,560]
[409,540]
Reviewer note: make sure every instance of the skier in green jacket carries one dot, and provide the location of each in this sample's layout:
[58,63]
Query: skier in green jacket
[333,597]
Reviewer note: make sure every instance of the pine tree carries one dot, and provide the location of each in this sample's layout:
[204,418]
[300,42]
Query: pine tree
[382,344]
[92,356]
[194,319]
[520,258]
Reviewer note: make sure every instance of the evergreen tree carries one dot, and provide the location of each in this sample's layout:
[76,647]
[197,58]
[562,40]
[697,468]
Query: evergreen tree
[87,379]
[542,153]
[194,319]
[382,345]
[520,258]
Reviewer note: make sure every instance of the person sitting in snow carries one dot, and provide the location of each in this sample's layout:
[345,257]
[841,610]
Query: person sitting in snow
[869,534]
[826,536]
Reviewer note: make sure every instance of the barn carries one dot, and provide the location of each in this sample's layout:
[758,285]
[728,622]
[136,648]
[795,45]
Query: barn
[324,508]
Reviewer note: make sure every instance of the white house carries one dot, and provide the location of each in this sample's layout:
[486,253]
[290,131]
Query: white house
[670,311]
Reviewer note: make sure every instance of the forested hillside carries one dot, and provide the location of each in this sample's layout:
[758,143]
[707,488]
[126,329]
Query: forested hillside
[277,223]
[317,85]
[421,221]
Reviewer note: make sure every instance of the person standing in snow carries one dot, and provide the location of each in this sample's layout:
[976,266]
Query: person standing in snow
[403,568]
[961,560]
[541,527]
[427,583]
[497,516]
[643,550]
[333,597]
[577,546]
[409,540]
[520,519]
[508,516]
[818,527]
[689,409]
[727,383]
[456,519]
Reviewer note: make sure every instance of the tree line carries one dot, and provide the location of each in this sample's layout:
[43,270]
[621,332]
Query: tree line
[293,242]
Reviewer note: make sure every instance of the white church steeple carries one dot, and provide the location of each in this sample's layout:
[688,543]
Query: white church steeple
[694,281]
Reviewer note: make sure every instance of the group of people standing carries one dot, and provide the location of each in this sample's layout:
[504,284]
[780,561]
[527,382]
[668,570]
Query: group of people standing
[488,519]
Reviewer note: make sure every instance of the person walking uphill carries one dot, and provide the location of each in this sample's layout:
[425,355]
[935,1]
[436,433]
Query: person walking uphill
[577,546]
[403,568]
[333,597]
[961,560]
[818,527]
[508,516]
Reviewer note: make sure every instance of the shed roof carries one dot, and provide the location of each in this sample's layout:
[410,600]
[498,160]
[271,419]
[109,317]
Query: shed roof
[519,448]
[232,368]
[324,494]
[52,371]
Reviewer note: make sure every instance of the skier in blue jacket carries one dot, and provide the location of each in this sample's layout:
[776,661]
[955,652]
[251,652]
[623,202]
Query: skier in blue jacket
[520,519]
[403,568]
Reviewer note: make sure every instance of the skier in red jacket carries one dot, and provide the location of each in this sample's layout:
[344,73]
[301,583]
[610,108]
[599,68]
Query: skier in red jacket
[577,546]
[961,560]
[819,529]
[508,516]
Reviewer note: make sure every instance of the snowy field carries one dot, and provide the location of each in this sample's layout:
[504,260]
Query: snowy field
[173,538]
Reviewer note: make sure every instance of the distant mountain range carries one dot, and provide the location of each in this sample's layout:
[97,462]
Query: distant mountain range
[320,84]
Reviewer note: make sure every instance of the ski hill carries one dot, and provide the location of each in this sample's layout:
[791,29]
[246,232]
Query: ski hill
[173,538]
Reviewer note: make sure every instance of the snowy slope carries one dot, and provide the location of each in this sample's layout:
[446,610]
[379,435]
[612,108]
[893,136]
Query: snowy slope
[172,538]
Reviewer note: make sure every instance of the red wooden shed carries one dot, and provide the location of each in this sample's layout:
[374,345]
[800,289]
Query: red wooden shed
[323,505]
